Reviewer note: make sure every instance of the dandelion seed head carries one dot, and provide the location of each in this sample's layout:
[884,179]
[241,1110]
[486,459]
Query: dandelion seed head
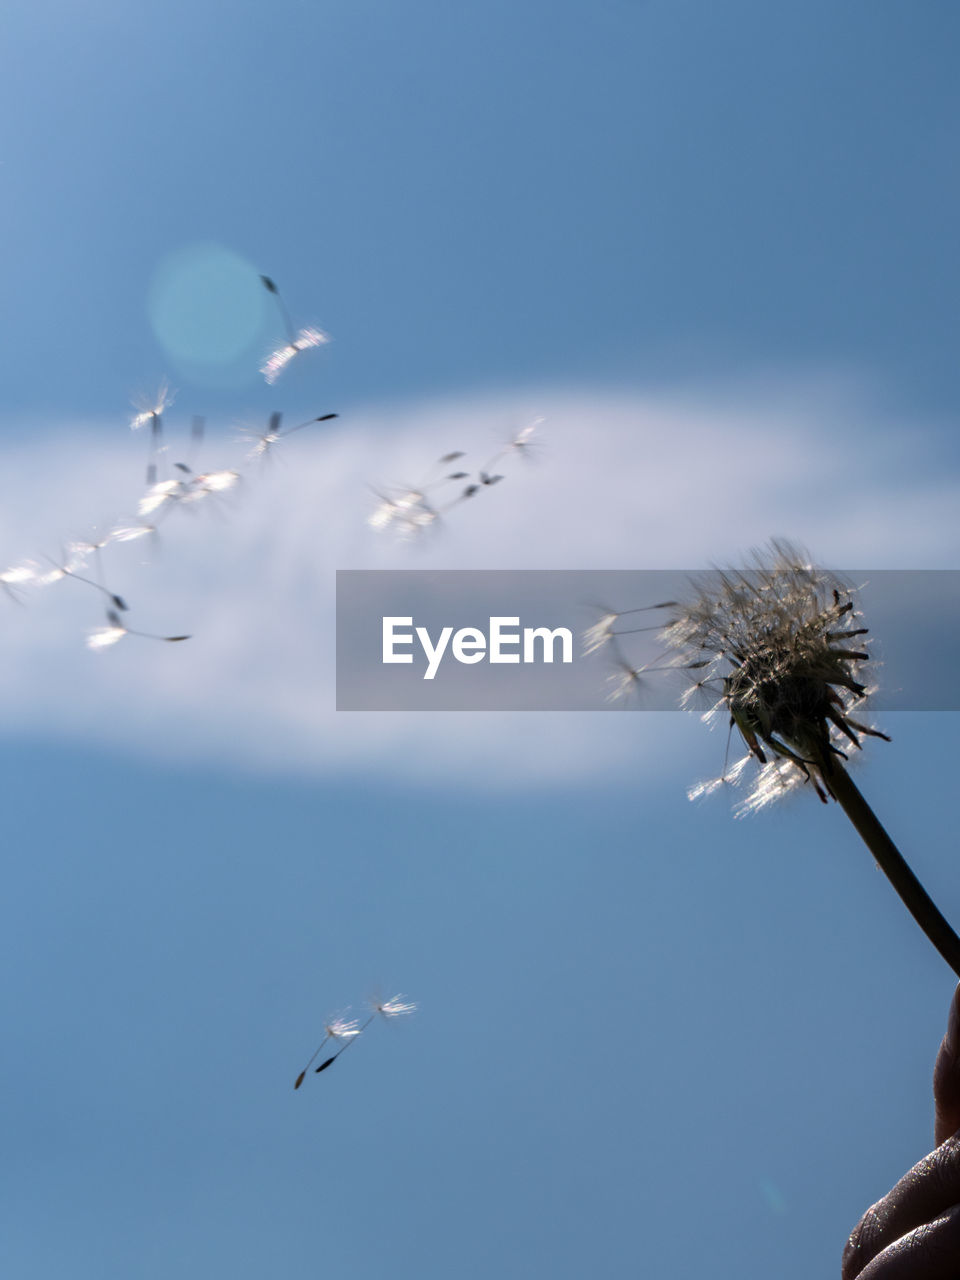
[784,639]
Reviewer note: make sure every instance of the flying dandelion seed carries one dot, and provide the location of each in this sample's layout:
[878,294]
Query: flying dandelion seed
[94,548]
[13,580]
[337,1029]
[105,637]
[297,340]
[278,360]
[203,486]
[410,510]
[350,1031]
[150,409]
[132,532]
[274,434]
[272,289]
[159,495]
[784,651]
[522,442]
[150,413]
[185,488]
[395,1007]
[407,513]
[624,683]
[603,632]
[80,553]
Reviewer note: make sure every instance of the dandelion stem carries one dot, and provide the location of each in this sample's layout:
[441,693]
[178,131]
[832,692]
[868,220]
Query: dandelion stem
[894,866]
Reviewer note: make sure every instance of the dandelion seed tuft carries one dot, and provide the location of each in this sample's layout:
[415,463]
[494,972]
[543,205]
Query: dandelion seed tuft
[342,1028]
[600,634]
[149,409]
[104,637]
[395,1007]
[278,360]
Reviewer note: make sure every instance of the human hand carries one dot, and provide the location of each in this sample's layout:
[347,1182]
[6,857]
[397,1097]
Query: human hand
[913,1233]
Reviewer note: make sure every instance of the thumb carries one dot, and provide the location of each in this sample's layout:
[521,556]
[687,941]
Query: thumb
[946,1076]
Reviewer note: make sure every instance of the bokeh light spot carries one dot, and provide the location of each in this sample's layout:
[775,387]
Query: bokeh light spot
[207,306]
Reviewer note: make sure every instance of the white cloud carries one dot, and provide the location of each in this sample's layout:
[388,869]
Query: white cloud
[623,480]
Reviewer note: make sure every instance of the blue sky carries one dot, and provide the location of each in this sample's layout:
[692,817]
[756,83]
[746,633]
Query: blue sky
[714,246]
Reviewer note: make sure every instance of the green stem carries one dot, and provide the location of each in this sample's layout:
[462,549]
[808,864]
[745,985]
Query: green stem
[915,898]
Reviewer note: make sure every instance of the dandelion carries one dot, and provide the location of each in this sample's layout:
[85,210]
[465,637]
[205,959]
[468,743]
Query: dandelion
[785,655]
[787,662]
[105,637]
